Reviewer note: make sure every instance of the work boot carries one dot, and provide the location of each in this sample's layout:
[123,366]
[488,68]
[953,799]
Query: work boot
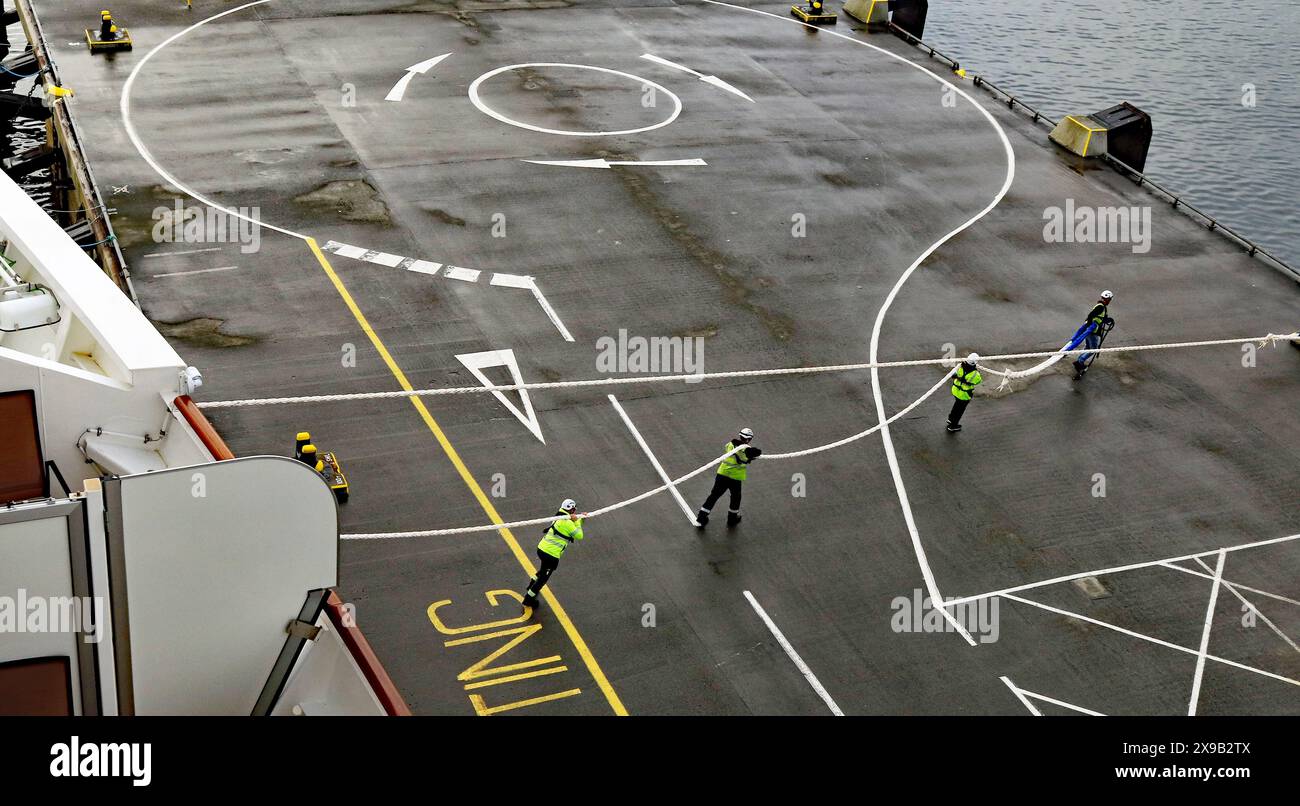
[733,518]
[529,601]
[701,519]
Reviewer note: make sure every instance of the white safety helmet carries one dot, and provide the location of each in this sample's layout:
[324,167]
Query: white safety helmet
[569,505]
[1107,295]
[746,433]
[973,359]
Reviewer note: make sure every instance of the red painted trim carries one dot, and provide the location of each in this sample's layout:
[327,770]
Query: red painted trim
[203,429]
[352,636]
[365,657]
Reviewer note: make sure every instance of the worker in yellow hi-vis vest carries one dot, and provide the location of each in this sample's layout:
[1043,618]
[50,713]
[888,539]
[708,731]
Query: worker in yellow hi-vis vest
[1098,324]
[964,381]
[565,529]
[730,477]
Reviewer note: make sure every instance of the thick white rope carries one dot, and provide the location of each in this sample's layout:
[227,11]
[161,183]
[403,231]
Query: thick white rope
[491,527]
[1015,374]
[1053,355]
[1010,375]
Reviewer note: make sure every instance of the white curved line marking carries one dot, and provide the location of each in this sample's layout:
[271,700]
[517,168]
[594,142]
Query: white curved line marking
[125,107]
[924,564]
[931,587]
[399,89]
[490,112]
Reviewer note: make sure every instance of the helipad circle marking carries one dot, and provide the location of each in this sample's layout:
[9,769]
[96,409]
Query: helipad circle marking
[490,112]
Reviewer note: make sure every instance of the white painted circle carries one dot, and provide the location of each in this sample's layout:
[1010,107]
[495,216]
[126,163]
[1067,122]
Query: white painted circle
[490,112]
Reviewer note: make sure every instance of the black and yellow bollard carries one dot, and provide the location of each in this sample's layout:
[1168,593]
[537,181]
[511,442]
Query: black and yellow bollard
[109,37]
[815,12]
[326,464]
[1123,132]
[301,441]
[332,471]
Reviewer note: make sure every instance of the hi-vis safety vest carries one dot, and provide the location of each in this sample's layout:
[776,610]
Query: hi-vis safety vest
[733,467]
[560,534]
[963,383]
[1097,316]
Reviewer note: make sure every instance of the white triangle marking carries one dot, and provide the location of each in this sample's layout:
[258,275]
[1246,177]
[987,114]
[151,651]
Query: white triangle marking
[477,362]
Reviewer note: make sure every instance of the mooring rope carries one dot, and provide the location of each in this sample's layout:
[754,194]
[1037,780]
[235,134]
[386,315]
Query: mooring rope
[1052,357]
[491,527]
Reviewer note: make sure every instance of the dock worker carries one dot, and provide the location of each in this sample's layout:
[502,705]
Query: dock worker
[565,529]
[964,380]
[1096,320]
[730,477]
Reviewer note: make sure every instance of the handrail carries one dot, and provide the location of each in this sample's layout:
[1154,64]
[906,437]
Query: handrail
[371,667]
[93,209]
[1252,248]
[203,428]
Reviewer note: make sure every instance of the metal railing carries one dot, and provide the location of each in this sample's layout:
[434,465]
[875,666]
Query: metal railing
[88,200]
[1141,179]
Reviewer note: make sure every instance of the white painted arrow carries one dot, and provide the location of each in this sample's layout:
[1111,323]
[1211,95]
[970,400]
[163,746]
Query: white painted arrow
[714,80]
[610,164]
[399,89]
[477,362]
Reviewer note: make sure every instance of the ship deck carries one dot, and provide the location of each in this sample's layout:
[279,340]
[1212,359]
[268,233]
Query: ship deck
[280,108]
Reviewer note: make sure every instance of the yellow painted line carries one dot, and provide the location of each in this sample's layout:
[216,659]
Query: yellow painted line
[560,615]
[512,678]
[480,706]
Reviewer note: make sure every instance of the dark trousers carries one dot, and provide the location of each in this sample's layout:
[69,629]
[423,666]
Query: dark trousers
[958,409]
[544,570]
[722,484]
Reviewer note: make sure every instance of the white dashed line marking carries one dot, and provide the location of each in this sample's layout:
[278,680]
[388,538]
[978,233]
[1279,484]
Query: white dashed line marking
[184,252]
[196,271]
[424,267]
[457,273]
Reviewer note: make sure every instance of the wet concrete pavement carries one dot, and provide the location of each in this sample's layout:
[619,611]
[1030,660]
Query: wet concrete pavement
[281,107]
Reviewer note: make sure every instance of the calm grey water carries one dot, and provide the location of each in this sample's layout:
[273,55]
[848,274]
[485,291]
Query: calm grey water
[1184,62]
[20,135]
